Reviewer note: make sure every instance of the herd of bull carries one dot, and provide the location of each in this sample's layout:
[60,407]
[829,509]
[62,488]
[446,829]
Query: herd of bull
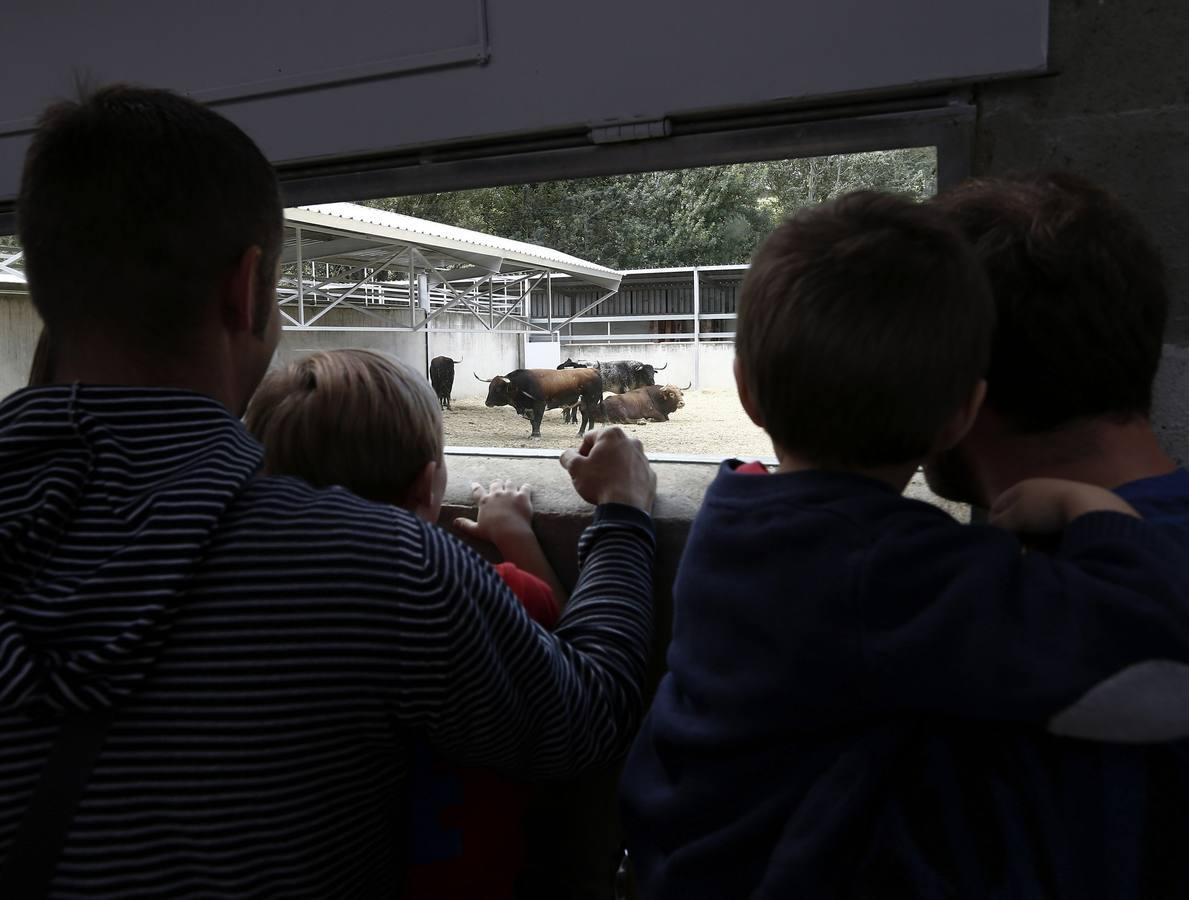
[577,386]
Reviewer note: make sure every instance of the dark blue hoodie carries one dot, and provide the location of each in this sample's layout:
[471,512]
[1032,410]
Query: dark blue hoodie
[826,629]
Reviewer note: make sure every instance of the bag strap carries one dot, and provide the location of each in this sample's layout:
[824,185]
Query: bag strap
[37,843]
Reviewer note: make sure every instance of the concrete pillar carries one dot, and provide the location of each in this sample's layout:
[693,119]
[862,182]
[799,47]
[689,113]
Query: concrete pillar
[1116,110]
[19,329]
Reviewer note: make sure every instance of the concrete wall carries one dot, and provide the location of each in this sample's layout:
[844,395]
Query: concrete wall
[715,360]
[19,327]
[1116,109]
[487,354]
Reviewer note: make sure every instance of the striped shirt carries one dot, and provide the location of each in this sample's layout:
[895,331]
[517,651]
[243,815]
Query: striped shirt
[270,649]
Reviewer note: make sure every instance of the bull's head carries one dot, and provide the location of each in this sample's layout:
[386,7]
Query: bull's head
[643,374]
[672,397]
[499,392]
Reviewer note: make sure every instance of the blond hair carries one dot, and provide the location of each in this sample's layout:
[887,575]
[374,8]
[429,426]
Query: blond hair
[348,417]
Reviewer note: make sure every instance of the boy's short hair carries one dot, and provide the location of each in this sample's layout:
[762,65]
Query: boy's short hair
[353,418]
[863,326]
[1080,293]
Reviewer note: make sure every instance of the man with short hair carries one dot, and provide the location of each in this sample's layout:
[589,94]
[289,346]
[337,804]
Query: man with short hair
[1081,303]
[228,667]
[1098,806]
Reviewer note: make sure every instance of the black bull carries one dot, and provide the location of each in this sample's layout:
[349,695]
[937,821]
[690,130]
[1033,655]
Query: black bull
[619,375]
[441,376]
[536,390]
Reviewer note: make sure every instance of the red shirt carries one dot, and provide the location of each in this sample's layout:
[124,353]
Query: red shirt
[467,835]
[752,468]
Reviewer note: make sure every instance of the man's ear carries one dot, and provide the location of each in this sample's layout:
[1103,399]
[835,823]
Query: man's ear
[962,420]
[240,306]
[745,398]
[420,499]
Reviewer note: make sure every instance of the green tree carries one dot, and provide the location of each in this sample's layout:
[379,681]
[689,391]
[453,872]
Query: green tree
[682,217]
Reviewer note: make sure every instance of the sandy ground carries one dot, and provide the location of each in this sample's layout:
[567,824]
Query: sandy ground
[712,423]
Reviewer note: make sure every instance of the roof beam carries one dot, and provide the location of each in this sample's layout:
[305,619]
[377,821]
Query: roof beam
[323,249]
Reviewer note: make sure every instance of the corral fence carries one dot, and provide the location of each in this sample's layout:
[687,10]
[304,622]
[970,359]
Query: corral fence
[683,316]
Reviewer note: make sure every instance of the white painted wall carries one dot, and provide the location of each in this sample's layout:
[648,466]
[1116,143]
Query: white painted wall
[19,328]
[716,360]
[487,354]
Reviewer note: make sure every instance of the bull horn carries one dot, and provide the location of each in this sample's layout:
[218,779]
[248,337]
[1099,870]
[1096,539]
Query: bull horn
[456,361]
[661,369]
[476,374]
[688,386]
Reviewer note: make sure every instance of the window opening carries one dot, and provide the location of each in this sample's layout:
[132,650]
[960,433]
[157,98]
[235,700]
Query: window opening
[644,267]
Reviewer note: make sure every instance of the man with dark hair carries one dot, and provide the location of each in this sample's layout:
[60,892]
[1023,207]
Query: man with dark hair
[130,222]
[1094,805]
[1081,305]
[210,679]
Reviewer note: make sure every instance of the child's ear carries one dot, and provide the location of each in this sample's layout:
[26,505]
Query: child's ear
[745,398]
[421,498]
[961,421]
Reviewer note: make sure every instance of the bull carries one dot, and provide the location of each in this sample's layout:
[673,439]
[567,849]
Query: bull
[619,375]
[535,390]
[650,403]
[441,376]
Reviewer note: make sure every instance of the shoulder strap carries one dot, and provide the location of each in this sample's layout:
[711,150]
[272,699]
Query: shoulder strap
[39,837]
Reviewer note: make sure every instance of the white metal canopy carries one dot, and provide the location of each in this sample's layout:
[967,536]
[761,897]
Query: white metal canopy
[404,272]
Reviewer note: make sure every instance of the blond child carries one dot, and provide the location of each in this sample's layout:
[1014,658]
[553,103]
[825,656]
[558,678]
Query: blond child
[370,424]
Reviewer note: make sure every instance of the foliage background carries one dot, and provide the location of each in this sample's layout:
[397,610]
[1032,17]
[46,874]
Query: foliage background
[682,217]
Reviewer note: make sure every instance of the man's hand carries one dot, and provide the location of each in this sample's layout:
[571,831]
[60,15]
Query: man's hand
[504,512]
[1048,505]
[610,467]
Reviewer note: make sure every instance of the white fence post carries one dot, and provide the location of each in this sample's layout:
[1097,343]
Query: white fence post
[697,331]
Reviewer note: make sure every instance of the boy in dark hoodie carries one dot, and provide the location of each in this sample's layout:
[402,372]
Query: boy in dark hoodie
[821,617]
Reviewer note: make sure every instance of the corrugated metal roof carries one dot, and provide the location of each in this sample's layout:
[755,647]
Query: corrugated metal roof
[402,229]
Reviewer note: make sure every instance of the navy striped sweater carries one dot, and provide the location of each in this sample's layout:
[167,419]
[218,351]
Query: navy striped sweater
[270,649]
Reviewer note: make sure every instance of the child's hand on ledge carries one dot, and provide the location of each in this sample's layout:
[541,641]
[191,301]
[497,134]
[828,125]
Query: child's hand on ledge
[1048,505]
[506,520]
[504,513]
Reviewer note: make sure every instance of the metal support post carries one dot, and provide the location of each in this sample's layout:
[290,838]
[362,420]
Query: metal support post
[412,279]
[301,300]
[697,331]
[528,314]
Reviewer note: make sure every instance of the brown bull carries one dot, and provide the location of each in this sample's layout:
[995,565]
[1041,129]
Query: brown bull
[652,403]
[533,391]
